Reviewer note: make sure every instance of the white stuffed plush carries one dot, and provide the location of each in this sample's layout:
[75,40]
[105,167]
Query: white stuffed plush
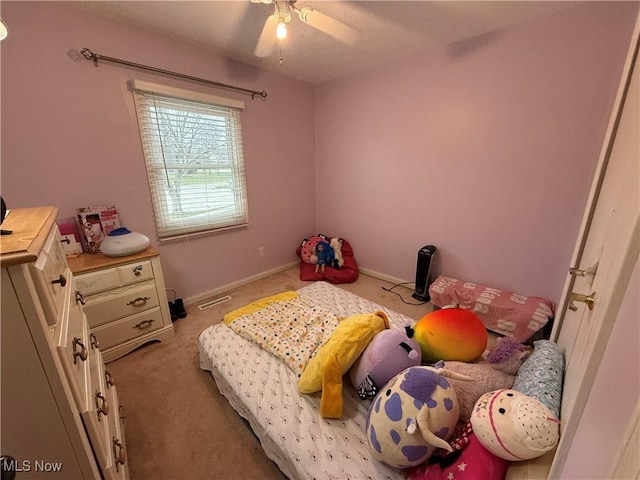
[514,426]
[336,244]
[412,416]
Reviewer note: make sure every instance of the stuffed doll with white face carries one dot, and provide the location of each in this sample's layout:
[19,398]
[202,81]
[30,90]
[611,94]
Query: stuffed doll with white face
[514,426]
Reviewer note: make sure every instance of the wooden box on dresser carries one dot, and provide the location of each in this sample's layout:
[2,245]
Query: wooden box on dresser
[125,300]
[59,410]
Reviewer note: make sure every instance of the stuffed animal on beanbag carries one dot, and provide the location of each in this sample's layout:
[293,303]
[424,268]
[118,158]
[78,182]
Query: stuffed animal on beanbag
[412,416]
[451,334]
[336,356]
[514,426]
[343,269]
[389,353]
[336,244]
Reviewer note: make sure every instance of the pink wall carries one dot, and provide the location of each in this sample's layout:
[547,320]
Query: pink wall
[70,138]
[485,150]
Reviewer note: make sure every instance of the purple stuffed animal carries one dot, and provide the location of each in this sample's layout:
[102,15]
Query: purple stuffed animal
[388,353]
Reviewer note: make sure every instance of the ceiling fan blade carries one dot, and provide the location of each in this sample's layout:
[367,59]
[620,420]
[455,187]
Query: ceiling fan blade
[328,25]
[267,37]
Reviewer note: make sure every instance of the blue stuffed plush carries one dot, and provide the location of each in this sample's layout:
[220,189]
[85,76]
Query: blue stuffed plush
[325,255]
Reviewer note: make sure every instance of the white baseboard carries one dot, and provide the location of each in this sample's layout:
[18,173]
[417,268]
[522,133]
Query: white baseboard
[224,288]
[229,286]
[388,278]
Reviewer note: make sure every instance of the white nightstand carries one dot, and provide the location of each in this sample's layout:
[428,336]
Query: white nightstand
[124,299]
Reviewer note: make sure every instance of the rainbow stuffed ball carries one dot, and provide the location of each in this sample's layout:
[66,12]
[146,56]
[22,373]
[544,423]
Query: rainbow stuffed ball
[450,334]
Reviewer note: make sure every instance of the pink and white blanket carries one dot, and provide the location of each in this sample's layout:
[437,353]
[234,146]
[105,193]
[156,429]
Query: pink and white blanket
[502,312]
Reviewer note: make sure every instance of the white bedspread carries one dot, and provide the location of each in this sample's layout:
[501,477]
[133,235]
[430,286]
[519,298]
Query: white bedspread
[262,389]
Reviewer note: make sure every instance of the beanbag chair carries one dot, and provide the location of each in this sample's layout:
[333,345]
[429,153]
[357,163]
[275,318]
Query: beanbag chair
[347,273]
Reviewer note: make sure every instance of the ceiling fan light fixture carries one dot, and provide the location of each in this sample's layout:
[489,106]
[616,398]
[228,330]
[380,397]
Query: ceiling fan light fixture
[4,31]
[281,30]
[276,23]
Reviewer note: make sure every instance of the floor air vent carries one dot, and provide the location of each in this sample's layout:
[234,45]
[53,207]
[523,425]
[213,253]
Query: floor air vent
[215,302]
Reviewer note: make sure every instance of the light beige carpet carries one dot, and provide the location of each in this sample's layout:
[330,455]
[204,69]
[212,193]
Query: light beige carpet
[178,425]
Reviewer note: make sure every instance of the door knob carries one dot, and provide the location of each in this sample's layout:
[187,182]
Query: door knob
[590,300]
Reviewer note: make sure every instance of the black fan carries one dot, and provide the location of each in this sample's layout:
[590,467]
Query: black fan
[3,213]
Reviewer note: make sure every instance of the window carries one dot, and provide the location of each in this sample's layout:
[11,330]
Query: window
[192,146]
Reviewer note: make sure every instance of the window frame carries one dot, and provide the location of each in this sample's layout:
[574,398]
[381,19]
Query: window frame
[159,168]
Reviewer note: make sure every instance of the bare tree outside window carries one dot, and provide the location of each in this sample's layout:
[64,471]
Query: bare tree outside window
[195,164]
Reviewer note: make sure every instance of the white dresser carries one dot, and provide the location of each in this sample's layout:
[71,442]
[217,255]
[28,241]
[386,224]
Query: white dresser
[59,406]
[124,299]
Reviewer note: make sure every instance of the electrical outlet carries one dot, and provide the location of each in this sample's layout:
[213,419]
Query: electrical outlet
[260,252]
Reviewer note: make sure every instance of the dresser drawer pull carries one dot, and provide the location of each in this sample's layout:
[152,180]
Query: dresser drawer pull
[66,240]
[137,270]
[102,406]
[94,341]
[109,379]
[138,302]
[80,298]
[61,280]
[118,452]
[144,324]
[122,415]
[83,350]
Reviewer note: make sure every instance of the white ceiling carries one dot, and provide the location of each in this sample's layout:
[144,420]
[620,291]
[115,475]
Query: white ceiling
[388,30]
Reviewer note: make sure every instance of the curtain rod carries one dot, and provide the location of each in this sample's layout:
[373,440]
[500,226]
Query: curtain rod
[89,55]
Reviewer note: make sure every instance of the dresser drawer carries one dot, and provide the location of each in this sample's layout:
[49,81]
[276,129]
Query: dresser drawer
[104,307]
[92,282]
[51,275]
[72,343]
[119,468]
[124,300]
[115,277]
[135,272]
[96,417]
[128,328]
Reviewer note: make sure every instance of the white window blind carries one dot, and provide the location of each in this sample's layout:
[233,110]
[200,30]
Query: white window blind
[193,151]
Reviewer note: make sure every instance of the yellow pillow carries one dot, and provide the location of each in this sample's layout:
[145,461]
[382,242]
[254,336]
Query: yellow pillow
[345,344]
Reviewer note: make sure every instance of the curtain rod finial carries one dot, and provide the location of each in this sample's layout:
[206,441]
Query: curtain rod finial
[89,55]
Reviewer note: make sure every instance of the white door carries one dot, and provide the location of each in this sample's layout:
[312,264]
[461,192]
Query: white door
[604,258]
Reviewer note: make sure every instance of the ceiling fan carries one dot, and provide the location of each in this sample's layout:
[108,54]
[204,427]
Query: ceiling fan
[275,26]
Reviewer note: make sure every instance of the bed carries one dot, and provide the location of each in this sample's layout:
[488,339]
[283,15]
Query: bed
[262,389]
[291,430]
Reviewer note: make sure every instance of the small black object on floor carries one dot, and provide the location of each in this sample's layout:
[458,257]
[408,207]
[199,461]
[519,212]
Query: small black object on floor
[177,309]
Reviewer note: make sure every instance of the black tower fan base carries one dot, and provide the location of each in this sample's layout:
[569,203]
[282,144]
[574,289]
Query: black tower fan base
[423,270]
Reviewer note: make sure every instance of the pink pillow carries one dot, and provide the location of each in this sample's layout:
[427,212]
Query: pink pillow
[502,312]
